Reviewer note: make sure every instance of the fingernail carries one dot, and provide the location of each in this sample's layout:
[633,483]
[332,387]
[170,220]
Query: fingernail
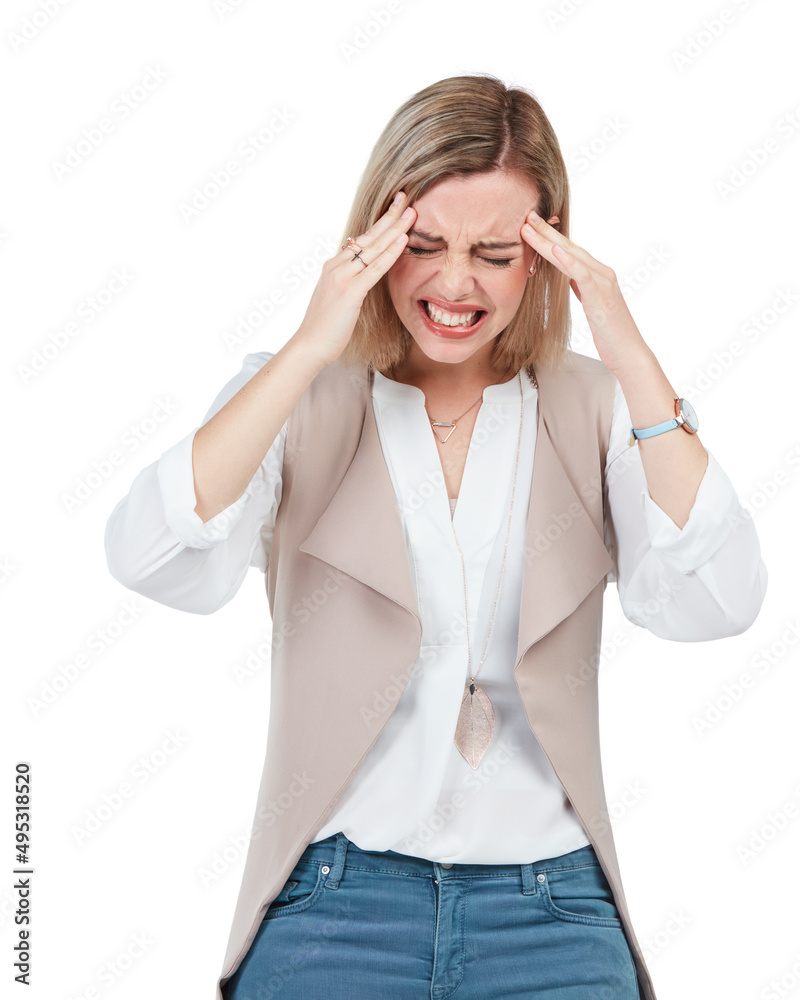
[407,214]
[398,198]
[532,215]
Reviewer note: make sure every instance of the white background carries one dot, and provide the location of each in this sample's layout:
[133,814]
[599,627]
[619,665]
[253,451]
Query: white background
[674,120]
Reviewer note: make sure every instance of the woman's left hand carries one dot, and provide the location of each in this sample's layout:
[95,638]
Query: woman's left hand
[616,336]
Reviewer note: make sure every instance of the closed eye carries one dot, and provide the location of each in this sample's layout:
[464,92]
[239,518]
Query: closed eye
[497,261]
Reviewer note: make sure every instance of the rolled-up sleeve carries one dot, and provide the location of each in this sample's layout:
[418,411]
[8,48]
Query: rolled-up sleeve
[703,581]
[157,545]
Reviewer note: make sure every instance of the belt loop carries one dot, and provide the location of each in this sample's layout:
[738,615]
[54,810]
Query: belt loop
[528,881]
[332,882]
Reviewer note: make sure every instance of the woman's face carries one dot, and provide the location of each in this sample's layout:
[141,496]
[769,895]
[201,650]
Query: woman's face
[452,259]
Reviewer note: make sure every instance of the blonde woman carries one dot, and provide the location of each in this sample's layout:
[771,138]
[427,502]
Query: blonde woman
[438,490]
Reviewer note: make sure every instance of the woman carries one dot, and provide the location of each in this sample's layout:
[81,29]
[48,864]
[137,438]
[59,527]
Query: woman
[432,818]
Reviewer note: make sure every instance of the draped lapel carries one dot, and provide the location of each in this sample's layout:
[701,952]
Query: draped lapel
[565,555]
[361,533]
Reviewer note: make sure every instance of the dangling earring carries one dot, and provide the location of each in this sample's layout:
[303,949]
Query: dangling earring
[532,269]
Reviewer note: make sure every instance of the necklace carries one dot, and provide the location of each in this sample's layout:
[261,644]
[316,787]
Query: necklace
[452,424]
[475,725]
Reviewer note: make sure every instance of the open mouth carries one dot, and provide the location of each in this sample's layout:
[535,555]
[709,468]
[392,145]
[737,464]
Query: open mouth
[449,323]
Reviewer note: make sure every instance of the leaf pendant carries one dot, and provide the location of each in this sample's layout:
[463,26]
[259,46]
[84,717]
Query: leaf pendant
[475,725]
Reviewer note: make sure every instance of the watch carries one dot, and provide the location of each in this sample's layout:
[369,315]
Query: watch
[685,417]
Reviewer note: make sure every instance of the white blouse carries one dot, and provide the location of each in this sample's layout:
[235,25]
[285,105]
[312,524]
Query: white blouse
[414,793]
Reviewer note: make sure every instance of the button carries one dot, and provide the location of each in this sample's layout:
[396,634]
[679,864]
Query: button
[540,878]
[445,866]
[325,869]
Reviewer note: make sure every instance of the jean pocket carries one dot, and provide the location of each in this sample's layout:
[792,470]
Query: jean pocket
[301,890]
[579,896]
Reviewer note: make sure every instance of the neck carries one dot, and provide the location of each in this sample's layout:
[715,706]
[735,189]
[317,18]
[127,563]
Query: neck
[474,373]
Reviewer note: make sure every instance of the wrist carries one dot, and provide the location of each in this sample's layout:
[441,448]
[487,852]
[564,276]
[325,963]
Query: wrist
[304,346]
[640,362]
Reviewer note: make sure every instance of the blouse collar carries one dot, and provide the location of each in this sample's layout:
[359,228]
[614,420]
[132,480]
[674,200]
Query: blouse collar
[390,391]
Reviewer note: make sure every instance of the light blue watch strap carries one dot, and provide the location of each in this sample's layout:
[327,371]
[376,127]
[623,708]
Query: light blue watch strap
[648,432]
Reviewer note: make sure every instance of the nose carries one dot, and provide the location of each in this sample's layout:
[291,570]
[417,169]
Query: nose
[456,277]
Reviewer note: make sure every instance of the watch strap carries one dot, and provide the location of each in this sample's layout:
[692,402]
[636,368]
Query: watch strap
[648,432]
[666,425]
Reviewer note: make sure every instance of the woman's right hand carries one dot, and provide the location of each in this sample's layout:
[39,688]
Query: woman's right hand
[339,294]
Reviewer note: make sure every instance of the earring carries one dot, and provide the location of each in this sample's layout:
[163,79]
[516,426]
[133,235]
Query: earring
[532,269]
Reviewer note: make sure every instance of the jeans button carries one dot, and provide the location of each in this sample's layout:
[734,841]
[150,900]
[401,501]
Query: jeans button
[445,866]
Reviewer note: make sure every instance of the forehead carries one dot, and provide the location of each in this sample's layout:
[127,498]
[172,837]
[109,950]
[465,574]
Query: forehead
[476,207]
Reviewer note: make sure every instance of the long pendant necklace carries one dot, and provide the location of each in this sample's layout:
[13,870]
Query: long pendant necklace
[475,725]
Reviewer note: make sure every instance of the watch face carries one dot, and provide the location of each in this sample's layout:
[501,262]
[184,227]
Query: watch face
[688,414]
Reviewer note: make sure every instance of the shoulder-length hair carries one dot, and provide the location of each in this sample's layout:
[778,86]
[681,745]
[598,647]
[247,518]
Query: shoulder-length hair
[464,125]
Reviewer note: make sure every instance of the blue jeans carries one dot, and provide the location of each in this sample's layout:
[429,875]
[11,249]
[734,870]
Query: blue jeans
[365,925]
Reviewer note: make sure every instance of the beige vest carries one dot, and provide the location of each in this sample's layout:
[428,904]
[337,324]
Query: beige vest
[346,627]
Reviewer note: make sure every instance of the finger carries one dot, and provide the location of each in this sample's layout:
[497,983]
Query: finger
[387,238]
[543,237]
[385,250]
[388,219]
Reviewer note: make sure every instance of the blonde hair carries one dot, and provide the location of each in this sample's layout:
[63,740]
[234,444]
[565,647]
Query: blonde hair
[466,125]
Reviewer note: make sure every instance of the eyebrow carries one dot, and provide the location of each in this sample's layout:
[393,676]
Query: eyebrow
[483,244]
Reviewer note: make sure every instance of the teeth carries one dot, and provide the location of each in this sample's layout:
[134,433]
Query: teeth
[450,319]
